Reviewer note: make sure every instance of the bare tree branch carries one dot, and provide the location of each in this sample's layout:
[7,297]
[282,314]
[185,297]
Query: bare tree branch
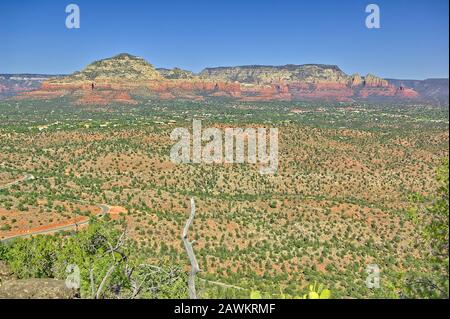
[102,284]
[190,252]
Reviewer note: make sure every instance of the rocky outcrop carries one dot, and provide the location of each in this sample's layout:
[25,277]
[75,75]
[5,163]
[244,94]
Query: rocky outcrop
[36,288]
[124,79]
[374,81]
[5,272]
[123,67]
[356,80]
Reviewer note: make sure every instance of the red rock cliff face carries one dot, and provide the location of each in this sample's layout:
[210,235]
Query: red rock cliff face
[121,92]
[105,93]
[125,92]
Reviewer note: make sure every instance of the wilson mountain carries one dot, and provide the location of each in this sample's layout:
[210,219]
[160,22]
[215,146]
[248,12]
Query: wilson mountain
[125,79]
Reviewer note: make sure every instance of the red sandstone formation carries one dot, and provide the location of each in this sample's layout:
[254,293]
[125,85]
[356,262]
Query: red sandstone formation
[118,79]
[119,92]
[107,92]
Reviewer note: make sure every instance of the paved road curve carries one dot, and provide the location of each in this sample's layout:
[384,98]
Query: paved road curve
[28,177]
[105,210]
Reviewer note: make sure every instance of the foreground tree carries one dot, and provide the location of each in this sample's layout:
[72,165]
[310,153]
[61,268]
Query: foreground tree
[101,261]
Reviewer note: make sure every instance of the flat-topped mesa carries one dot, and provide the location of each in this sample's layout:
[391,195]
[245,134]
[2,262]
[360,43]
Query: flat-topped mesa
[266,74]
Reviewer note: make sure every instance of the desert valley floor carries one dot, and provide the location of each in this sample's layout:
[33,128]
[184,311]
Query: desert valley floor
[338,202]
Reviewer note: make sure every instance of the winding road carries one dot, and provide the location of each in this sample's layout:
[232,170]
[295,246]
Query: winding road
[104,211]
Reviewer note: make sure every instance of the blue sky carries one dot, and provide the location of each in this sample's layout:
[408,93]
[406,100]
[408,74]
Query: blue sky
[412,41]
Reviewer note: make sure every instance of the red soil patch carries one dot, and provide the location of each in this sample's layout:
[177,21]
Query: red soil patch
[115,211]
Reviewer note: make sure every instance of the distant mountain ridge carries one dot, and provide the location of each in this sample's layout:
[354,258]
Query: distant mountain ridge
[433,89]
[124,77]
[12,84]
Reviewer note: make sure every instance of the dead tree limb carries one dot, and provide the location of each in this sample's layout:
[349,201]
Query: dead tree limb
[113,250]
[105,278]
[190,252]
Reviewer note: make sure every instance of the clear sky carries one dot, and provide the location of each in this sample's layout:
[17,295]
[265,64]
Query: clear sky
[411,43]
